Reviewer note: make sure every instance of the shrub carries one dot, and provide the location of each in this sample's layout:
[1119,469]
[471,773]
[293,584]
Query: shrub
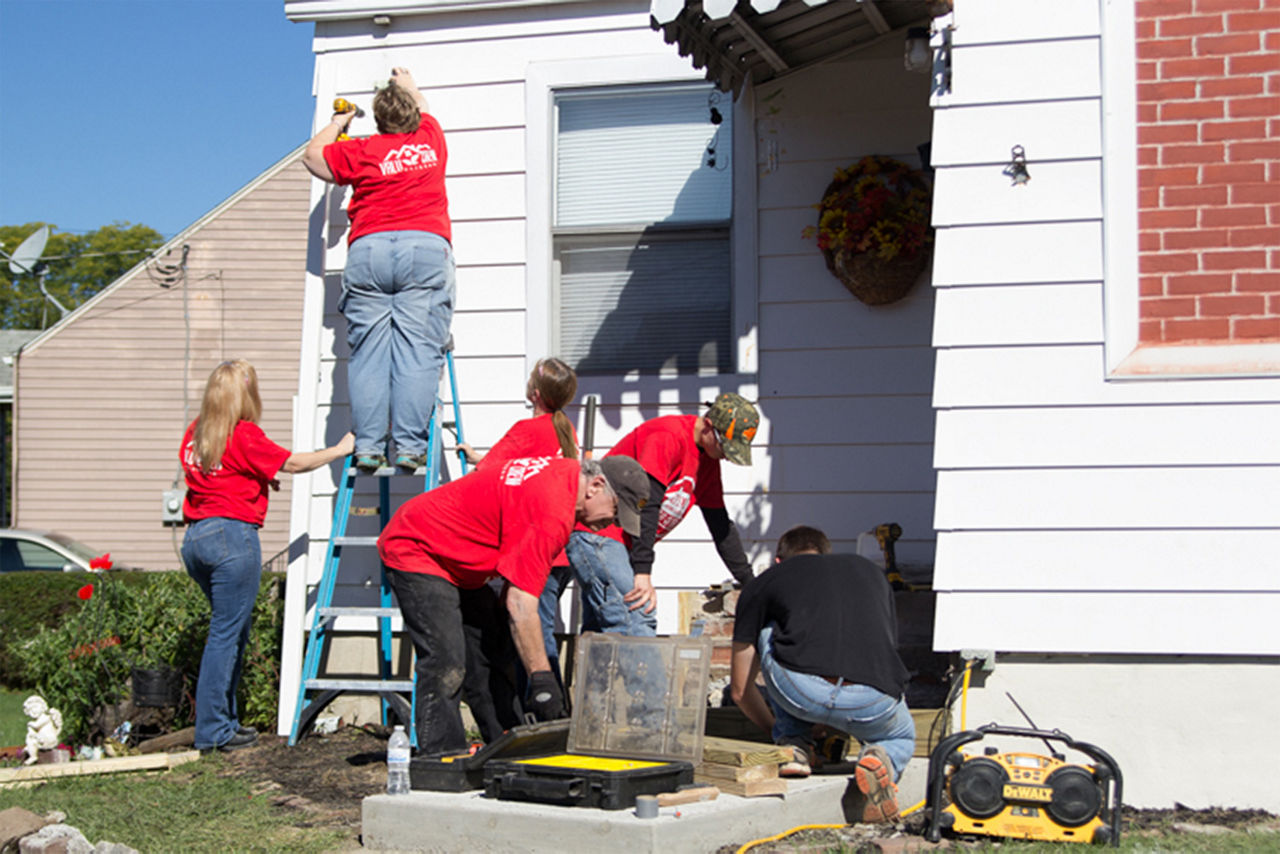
[83,665]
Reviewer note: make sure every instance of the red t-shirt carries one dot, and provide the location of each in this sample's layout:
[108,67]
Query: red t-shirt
[532,437]
[665,449]
[237,488]
[509,520]
[397,180]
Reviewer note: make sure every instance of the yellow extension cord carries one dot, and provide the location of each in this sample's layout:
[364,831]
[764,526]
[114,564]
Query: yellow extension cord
[964,699]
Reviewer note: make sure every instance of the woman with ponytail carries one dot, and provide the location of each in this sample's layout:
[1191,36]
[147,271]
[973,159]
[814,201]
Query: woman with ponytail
[489,688]
[229,465]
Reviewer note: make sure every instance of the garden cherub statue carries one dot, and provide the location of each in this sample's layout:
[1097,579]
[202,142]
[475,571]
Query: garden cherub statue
[43,728]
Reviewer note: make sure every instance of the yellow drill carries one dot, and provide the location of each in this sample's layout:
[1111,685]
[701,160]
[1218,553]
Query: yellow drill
[342,105]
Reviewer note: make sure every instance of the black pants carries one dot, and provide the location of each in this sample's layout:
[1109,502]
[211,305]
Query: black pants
[437,616]
[489,687]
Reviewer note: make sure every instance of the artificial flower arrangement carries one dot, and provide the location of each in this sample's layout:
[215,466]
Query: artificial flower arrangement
[873,228]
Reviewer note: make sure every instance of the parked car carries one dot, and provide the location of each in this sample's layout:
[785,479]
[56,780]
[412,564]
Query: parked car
[26,550]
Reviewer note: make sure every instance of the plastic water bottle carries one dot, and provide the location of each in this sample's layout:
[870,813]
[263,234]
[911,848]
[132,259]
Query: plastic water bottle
[398,762]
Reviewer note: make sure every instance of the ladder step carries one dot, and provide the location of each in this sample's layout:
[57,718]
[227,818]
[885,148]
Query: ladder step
[359,612]
[370,685]
[355,541]
[387,471]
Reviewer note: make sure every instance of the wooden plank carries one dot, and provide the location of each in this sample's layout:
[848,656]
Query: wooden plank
[10,776]
[984,195]
[1057,130]
[729,751]
[1046,314]
[1038,71]
[1235,560]
[1017,254]
[736,773]
[810,325]
[1194,623]
[1007,21]
[1112,436]
[752,789]
[1225,497]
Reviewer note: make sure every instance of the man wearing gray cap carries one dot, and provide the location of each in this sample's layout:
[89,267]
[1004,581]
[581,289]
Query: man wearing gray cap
[509,521]
[680,455]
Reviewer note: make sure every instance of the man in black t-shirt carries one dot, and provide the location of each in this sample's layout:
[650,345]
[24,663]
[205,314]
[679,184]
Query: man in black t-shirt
[823,631]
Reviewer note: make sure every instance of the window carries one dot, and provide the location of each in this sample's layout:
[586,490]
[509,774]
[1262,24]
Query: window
[640,229]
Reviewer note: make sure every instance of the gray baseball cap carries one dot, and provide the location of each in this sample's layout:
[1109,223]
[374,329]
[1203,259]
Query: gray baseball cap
[630,483]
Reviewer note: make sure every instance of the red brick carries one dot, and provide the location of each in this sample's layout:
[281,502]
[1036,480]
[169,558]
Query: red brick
[1254,282]
[1196,25]
[1169,262]
[1158,219]
[1144,30]
[1170,90]
[1148,198]
[1182,111]
[1255,327]
[1259,63]
[1217,329]
[1256,194]
[1179,176]
[1232,305]
[1233,216]
[1148,113]
[1198,283]
[1253,236]
[1239,108]
[1150,286]
[1198,68]
[1148,71]
[1200,238]
[1174,154]
[1273,84]
[1273,214]
[1168,48]
[1149,241]
[1162,8]
[1247,129]
[1229,45]
[1160,134]
[1274,263]
[1203,6]
[1273,173]
[1271,41]
[1184,197]
[1227,86]
[1235,173]
[1268,150]
[1150,331]
[1148,155]
[1169,307]
[1231,261]
[1253,22]
[1273,304]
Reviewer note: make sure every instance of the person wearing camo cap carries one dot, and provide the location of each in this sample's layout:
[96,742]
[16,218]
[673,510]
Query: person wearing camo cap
[681,455]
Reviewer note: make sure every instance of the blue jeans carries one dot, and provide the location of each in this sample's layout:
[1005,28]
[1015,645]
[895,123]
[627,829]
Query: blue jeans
[800,700]
[397,295]
[224,557]
[602,568]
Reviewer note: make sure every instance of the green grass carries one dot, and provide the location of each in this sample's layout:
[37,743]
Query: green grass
[187,809]
[13,723]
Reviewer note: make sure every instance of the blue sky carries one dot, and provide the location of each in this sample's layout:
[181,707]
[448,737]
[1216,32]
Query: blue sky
[144,111]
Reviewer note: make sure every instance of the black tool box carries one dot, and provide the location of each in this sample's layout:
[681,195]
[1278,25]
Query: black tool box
[575,780]
[466,772]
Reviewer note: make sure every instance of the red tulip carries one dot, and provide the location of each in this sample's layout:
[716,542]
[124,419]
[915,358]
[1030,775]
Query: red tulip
[101,562]
[86,592]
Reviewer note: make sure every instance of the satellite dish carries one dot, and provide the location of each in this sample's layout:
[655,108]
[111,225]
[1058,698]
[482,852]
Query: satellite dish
[25,258]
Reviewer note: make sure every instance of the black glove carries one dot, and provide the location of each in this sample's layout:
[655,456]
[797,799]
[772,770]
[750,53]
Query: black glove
[546,700]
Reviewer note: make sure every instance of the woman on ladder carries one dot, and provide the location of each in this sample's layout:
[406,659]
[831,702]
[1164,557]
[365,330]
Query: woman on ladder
[229,465]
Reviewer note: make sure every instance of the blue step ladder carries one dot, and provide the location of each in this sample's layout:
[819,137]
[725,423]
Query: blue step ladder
[315,693]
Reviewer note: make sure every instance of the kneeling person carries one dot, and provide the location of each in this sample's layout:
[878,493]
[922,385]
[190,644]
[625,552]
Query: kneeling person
[510,521]
[823,630]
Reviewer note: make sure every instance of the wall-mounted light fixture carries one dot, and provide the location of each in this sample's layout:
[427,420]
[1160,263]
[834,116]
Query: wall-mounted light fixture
[1017,168]
[916,55]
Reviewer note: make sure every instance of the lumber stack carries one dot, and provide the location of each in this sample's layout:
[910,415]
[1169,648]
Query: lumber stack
[747,769]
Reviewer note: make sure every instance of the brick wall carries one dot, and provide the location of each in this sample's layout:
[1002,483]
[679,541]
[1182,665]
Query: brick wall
[1209,170]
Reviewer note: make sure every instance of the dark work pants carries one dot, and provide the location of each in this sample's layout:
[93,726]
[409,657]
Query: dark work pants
[489,687]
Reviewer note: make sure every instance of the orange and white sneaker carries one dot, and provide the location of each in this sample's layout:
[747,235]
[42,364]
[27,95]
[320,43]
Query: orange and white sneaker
[874,778]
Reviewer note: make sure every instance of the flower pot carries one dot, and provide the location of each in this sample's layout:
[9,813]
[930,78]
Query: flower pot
[156,686]
[872,280]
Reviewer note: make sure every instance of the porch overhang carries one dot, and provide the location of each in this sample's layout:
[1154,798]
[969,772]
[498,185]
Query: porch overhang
[763,39]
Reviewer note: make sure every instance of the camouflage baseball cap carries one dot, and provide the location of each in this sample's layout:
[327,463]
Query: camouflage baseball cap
[736,421]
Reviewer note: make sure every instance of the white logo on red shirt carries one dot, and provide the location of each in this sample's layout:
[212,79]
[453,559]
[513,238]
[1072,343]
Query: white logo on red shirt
[517,472]
[191,461]
[675,504]
[408,158]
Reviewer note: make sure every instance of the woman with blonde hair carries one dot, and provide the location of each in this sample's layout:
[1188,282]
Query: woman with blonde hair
[229,465]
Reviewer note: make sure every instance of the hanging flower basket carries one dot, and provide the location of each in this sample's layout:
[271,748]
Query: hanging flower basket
[873,228]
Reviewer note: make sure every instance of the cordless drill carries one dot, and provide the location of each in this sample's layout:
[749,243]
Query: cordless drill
[342,105]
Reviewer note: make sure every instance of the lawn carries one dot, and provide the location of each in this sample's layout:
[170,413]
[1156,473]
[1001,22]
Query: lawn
[13,723]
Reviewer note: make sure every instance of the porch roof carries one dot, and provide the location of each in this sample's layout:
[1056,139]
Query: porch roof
[763,39]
